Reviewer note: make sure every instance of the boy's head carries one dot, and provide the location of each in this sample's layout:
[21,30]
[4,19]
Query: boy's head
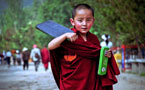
[82,6]
[82,18]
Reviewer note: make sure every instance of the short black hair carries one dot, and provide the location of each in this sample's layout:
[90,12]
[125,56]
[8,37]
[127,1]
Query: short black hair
[82,6]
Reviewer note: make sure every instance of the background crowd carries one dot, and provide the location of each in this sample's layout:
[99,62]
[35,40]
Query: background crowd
[25,56]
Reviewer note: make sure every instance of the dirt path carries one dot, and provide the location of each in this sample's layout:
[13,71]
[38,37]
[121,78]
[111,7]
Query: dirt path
[14,78]
[130,82]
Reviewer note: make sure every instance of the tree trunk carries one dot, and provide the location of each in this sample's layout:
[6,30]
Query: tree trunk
[139,49]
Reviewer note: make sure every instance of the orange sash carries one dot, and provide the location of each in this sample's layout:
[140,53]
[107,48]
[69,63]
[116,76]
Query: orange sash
[70,57]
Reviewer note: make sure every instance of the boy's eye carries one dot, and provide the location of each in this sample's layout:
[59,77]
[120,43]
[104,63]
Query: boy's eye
[88,19]
[80,20]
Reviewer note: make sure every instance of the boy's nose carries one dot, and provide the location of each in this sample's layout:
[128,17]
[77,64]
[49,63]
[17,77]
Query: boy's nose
[84,22]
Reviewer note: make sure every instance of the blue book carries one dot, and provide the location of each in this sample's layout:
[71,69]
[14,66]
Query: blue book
[52,28]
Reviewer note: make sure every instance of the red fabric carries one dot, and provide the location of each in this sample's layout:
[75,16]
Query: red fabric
[81,73]
[45,57]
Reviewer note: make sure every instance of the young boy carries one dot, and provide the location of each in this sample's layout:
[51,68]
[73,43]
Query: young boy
[75,61]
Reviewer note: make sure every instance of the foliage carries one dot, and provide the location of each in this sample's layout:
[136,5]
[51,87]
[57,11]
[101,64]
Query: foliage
[123,20]
[20,30]
[11,22]
[57,10]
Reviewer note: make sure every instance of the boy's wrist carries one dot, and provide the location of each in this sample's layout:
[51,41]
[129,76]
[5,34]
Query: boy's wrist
[65,35]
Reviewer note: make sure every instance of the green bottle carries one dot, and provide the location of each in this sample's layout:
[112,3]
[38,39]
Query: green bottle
[103,61]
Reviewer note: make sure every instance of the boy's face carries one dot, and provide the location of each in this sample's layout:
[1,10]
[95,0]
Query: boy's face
[83,20]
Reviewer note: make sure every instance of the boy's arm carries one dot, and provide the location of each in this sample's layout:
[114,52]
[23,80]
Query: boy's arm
[55,43]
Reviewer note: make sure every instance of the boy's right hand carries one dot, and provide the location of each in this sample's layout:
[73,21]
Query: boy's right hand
[71,36]
[55,43]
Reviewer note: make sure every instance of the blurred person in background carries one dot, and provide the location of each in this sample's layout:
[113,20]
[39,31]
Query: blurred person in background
[4,58]
[25,57]
[35,56]
[1,57]
[18,57]
[8,57]
[118,57]
[45,57]
[14,56]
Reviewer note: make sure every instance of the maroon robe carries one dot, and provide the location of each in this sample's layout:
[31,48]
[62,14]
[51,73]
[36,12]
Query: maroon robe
[81,73]
[45,57]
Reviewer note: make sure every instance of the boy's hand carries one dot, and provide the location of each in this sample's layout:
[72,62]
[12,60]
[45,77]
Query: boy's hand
[108,53]
[71,36]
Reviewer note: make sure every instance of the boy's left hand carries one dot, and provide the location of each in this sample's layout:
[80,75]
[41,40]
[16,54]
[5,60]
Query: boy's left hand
[108,53]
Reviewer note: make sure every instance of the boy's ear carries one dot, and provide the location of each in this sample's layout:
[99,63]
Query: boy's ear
[72,21]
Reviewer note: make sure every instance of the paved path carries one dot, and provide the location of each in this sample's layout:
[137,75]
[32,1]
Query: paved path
[130,82]
[14,78]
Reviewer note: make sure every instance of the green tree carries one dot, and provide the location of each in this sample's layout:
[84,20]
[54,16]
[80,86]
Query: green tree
[12,21]
[122,19]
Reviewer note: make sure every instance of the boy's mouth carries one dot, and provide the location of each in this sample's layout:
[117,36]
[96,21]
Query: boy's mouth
[83,28]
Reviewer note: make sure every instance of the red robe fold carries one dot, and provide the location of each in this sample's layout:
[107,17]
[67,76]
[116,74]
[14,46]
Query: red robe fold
[45,57]
[81,73]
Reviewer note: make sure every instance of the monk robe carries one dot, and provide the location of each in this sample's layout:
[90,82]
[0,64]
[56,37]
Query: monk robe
[80,71]
[45,57]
